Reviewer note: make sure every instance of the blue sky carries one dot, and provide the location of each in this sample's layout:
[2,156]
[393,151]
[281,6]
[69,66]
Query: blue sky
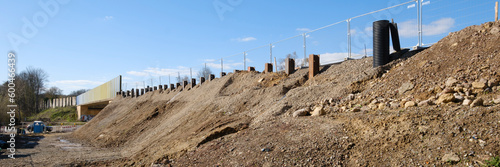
[82,44]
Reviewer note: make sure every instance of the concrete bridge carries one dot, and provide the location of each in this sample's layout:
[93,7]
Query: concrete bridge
[93,101]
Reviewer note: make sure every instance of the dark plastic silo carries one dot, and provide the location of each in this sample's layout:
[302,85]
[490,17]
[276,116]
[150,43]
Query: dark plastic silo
[380,42]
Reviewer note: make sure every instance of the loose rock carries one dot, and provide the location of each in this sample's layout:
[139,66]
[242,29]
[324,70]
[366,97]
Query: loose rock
[467,102]
[451,82]
[301,112]
[318,111]
[451,157]
[445,98]
[477,102]
[405,87]
[478,85]
[410,104]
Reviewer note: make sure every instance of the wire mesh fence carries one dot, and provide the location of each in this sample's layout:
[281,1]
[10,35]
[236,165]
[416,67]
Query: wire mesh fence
[420,23]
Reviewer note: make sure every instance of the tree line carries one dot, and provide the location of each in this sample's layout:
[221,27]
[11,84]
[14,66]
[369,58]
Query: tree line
[30,90]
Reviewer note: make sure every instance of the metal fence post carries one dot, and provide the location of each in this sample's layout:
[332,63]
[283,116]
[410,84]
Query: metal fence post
[304,34]
[349,37]
[271,53]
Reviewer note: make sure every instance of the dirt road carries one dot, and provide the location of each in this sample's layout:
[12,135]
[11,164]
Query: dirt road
[53,150]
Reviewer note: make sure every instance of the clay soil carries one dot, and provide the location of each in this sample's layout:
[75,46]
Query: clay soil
[245,118]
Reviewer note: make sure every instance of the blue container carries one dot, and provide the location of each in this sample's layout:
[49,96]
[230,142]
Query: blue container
[38,127]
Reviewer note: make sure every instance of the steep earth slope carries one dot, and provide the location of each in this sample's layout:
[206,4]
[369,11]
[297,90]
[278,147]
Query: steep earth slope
[438,107]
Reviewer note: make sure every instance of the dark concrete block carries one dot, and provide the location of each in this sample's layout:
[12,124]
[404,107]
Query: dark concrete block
[289,66]
[250,69]
[212,77]
[172,86]
[184,84]
[193,82]
[222,74]
[202,80]
[268,68]
[313,65]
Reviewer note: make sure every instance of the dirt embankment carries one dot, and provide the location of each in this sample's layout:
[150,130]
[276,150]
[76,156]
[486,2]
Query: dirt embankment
[410,112]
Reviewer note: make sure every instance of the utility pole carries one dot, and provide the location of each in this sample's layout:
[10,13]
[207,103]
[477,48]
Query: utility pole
[496,11]
[244,60]
[275,65]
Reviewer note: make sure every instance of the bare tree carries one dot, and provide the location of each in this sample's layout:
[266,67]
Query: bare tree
[186,78]
[53,92]
[29,87]
[204,72]
[281,63]
[77,92]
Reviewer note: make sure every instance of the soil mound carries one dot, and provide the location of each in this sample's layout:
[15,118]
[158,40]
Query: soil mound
[410,112]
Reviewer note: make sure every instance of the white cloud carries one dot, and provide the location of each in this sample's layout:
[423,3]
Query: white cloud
[209,60]
[410,28]
[71,85]
[137,73]
[76,82]
[227,66]
[246,39]
[303,29]
[107,18]
[353,31]
[155,72]
[326,58]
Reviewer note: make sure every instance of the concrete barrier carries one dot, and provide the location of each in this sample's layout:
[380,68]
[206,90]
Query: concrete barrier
[313,65]
[160,87]
[193,82]
[142,91]
[268,68]
[155,88]
[222,74]
[165,87]
[251,69]
[178,85]
[289,66]
[212,77]
[172,87]
[137,93]
[147,89]
[132,92]
[202,80]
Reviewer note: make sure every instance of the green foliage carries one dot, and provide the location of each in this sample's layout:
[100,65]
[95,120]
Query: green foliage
[60,114]
[494,161]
